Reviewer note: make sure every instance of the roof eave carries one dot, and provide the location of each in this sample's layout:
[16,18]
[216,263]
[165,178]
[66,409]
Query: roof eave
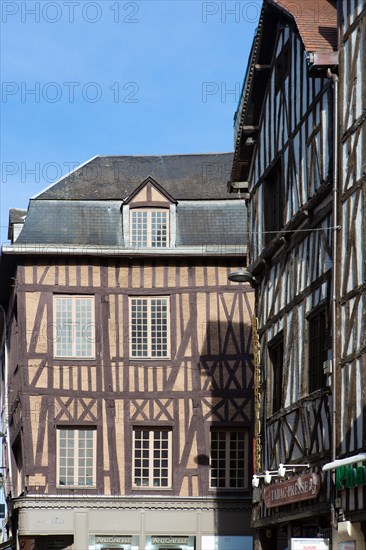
[318,61]
[38,249]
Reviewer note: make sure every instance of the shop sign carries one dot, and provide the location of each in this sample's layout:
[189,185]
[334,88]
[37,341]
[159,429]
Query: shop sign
[169,540]
[310,544]
[113,540]
[257,441]
[348,477]
[296,489]
[103,542]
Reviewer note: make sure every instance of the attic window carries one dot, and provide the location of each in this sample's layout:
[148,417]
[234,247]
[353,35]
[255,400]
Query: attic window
[149,227]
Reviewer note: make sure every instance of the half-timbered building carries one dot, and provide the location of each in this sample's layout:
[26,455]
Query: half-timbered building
[308,275]
[128,373]
[349,468]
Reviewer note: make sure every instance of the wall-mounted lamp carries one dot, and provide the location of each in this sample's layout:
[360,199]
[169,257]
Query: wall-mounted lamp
[283,468]
[249,142]
[242,276]
[280,472]
[267,478]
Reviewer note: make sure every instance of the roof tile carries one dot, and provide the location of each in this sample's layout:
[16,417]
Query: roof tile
[316,22]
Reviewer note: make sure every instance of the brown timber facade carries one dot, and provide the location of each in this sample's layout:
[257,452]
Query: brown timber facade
[129,372]
[300,146]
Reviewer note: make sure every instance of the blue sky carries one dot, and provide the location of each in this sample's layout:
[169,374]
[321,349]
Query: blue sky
[84,78]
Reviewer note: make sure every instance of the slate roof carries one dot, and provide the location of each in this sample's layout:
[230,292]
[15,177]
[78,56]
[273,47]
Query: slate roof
[212,223]
[185,177]
[73,222]
[17,215]
[85,207]
[99,223]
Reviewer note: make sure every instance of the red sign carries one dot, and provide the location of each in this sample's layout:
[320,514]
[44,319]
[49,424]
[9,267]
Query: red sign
[286,492]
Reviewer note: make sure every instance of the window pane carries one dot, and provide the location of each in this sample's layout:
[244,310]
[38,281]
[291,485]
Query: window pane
[159,327]
[139,327]
[159,228]
[227,464]
[149,327]
[156,471]
[149,228]
[318,348]
[75,330]
[74,467]
[139,229]
[64,332]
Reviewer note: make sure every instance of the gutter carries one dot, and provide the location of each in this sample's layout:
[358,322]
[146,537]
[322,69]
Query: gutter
[218,249]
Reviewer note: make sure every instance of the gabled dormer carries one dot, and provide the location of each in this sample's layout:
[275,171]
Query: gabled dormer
[149,217]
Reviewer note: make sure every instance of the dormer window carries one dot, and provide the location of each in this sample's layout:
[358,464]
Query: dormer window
[149,227]
[149,217]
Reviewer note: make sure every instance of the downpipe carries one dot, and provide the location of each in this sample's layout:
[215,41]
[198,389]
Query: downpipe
[6,397]
[335,196]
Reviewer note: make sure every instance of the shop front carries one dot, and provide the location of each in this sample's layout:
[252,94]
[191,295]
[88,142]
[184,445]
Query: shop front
[131,524]
[292,512]
[350,498]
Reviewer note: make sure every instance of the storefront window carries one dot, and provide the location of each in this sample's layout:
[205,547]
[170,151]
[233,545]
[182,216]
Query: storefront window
[221,542]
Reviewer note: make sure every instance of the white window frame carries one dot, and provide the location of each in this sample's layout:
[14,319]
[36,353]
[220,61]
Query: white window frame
[154,463]
[85,330]
[147,236]
[227,458]
[74,454]
[148,338]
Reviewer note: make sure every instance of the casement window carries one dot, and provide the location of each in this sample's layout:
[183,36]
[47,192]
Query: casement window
[152,457]
[149,327]
[229,459]
[282,67]
[76,457]
[149,227]
[273,203]
[275,350]
[74,327]
[318,332]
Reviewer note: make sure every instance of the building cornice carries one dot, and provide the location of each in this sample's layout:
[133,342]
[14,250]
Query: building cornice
[68,502]
[91,250]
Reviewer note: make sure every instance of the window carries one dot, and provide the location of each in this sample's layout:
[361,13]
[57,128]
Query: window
[76,453]
[74,326]
[318,348]
[275,349]
[273,203]
[229,459]
[152,459]
[149,323]
[282,67]
[149,228]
